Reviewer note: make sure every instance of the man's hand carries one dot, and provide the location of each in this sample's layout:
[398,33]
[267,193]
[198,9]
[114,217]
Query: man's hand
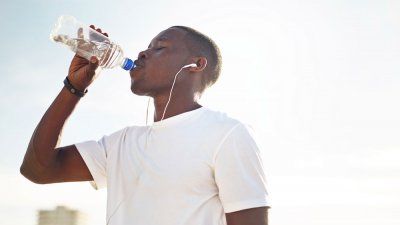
[83,72]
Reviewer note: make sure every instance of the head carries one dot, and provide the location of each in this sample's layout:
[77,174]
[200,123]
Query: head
[167,53]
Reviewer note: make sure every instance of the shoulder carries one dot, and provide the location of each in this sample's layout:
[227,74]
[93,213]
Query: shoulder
[228,125]
[120,134]
[229,122]
[129,130]
[220,118]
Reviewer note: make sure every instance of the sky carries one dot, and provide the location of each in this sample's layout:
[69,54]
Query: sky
[317,80]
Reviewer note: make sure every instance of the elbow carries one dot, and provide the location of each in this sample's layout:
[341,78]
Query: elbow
[28,174]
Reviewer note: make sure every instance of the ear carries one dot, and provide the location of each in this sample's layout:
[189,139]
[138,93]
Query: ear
[201,63]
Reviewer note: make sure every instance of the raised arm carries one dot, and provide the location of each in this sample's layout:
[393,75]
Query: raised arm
[44,162]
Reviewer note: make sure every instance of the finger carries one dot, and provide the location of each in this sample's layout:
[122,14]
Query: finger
[92,26]
[79,60]
[79,57]
[98,30]
[105,34]
[93,63]
[77,63]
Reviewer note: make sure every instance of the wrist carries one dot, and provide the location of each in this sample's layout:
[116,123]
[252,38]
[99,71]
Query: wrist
[78,91]
[78,85]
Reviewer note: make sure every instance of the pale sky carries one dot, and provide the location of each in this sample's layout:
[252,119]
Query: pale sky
[318,80]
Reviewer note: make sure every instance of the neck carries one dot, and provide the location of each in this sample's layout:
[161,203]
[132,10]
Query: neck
[178,104]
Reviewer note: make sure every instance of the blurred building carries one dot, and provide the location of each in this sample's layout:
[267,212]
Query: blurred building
[61,216]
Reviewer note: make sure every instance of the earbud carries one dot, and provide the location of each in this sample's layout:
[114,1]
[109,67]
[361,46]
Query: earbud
[190,65]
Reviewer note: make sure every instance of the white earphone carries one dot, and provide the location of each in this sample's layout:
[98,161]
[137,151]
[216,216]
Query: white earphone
[190,65]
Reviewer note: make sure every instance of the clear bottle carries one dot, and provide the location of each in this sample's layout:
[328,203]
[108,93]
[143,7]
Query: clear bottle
[87,42]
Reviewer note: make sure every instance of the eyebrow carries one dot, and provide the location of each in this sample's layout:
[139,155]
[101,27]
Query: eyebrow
[162,38]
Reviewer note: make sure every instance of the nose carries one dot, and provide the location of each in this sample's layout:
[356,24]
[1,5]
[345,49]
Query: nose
[142,55]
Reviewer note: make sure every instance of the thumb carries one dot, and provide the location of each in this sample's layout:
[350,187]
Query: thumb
[93,63]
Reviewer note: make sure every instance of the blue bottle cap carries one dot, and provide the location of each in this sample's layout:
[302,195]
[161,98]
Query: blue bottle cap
[128,64]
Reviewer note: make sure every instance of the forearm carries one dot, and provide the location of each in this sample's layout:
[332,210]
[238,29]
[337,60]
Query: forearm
[41,154]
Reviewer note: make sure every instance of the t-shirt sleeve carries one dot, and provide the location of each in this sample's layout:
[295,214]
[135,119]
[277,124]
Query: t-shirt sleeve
[96,156]
[239,172]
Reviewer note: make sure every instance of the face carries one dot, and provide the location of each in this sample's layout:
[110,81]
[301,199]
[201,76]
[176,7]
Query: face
[158,64]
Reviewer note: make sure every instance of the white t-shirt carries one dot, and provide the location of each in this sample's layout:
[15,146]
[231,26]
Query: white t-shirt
[196,167]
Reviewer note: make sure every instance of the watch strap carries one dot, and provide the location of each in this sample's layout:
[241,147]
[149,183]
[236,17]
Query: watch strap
[72,89]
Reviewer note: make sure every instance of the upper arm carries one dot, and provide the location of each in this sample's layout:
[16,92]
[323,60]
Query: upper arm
[253,216]
[84,161]
[69,167]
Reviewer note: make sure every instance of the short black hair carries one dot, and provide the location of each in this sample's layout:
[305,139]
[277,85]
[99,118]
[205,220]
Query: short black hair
[205,46]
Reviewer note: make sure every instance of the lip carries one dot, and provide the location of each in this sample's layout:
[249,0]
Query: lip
[138,63]
[134,72]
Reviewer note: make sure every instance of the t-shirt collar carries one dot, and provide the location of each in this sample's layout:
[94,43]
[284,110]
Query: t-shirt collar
[178,118]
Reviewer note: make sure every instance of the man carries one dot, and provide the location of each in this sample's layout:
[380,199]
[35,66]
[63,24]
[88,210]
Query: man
[193,165]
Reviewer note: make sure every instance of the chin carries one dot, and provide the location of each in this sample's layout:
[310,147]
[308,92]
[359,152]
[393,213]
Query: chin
[136,89]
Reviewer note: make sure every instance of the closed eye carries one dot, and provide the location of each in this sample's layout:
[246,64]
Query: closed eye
[159,48]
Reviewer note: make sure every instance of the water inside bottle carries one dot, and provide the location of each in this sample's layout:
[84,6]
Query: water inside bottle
[109,54]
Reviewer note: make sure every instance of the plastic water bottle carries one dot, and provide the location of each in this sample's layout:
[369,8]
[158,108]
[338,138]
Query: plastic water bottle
[87,42]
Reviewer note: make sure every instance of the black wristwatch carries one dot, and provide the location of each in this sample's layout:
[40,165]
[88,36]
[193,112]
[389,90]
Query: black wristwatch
[72,89]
